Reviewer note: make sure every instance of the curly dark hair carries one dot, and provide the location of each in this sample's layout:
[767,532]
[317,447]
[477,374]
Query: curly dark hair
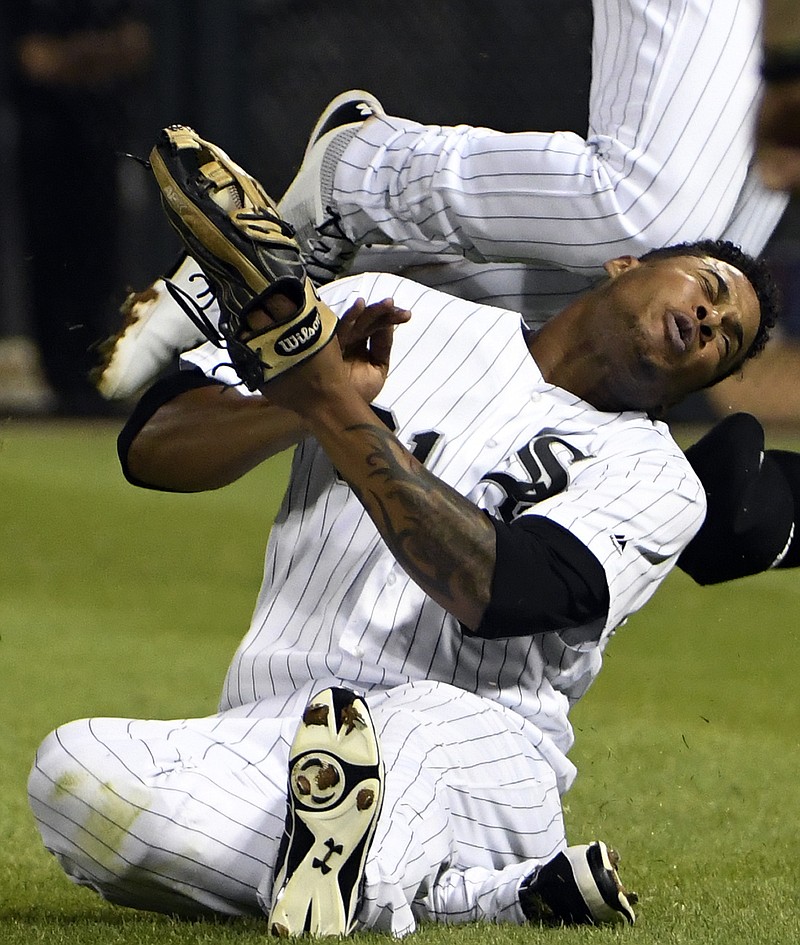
[755,271]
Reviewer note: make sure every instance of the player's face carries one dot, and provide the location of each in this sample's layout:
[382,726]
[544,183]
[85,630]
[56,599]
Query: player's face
[686,321]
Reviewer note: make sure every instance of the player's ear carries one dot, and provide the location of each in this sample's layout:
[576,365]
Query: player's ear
[615,267]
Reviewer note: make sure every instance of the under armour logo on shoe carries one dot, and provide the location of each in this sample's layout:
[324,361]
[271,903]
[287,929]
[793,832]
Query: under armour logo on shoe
[322,865]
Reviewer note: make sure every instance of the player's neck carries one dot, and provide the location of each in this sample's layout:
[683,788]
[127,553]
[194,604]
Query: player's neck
[567,357]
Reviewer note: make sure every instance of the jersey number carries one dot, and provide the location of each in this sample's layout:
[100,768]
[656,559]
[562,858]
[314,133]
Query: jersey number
[421,446]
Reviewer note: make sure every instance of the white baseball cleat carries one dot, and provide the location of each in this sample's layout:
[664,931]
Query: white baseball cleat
[335,793]
[155,329]
[580,886]
[308,202]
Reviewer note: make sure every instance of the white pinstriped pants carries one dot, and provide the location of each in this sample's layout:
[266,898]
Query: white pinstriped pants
[186,816]
[675,86]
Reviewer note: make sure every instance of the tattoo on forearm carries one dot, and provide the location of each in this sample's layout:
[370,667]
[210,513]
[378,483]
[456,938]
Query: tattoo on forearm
[439,537]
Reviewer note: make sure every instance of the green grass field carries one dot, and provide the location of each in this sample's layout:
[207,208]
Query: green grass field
[117,601]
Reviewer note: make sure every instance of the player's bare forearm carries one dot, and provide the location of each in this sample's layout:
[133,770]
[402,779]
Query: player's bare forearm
[438,537]
[208,437]
[442,541]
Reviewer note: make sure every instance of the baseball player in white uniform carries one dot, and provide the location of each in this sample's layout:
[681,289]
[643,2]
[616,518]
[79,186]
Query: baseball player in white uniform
[674,93]
[461,535]
[527,220]
[668,157]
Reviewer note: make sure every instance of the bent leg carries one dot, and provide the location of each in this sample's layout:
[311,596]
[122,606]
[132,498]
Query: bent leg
[471,807]
[181,816]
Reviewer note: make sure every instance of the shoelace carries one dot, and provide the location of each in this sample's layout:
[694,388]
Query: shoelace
[330,228]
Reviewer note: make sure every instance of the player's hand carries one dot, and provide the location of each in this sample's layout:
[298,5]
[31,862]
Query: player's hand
[778,136]
[365,337]
[358,363]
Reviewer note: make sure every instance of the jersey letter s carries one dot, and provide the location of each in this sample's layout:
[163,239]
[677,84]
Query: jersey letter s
[547,471]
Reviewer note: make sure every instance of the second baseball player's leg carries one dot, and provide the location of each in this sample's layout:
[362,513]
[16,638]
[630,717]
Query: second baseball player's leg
[674,89]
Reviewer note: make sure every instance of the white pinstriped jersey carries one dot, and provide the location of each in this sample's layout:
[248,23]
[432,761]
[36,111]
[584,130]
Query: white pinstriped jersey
[675,85]
[464,393]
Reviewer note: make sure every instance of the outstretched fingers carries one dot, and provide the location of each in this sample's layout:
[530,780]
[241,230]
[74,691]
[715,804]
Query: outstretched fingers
[366,327]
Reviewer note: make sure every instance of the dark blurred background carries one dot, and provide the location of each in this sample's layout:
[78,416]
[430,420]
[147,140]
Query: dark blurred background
[253,75]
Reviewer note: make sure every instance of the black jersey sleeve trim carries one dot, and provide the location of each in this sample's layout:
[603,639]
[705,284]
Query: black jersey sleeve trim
[154,397]
[545,581]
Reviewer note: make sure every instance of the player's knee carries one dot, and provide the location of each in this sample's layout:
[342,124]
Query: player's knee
[56,771]
[54,795]
[79,797]
[85,804]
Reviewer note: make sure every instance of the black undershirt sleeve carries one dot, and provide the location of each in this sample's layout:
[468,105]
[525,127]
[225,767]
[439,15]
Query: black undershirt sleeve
[154,397]
[545,580]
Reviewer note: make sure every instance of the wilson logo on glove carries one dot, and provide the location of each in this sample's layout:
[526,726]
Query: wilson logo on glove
[248,254]
[301,336]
